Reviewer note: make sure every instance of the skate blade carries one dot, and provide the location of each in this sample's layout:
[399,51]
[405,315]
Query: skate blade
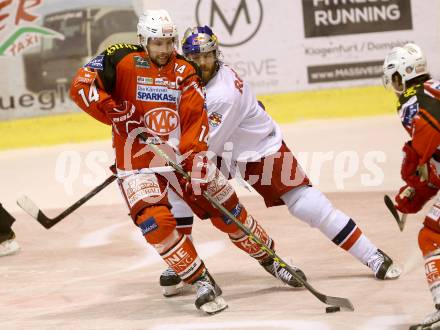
[215,306]
[393,273]
[433,326]
[176,290]
[9,247]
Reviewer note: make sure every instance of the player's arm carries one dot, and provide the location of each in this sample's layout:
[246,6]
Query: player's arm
[92,85]
[85,93]
[416,169]
[193,117]
[92,90]
[425,135]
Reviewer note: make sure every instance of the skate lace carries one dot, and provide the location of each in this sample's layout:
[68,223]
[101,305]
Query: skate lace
[203,287]
[281,273]
[169,272]
[375,261]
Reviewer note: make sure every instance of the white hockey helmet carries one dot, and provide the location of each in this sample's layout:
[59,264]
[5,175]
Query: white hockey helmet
[156,24]
[408,61]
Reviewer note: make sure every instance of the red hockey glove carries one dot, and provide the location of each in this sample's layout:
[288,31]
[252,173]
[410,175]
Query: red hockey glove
[411,200]
[124,117]
[201,171]
[410,171]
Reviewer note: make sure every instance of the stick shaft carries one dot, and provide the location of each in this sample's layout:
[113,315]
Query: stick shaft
[334,301]
[34,211]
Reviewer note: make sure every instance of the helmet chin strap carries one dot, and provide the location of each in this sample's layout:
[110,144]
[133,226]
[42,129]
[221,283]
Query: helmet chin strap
[143,43]
[398,81]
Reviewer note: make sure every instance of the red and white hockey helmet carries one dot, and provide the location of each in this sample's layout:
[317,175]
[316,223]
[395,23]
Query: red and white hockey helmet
[408,61]
[155,24]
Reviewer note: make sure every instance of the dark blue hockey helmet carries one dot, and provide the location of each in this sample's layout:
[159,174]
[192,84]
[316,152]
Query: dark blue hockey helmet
[199,39]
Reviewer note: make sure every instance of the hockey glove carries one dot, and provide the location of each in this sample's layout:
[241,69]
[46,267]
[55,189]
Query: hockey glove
[413,174]
[411,200]
[124,117]
[201,171]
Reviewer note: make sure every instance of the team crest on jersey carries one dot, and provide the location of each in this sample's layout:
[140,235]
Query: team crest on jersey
[141,62]
[161,121]
[144,80]
[156,94]
[408,113]
[96,63]
[215,119]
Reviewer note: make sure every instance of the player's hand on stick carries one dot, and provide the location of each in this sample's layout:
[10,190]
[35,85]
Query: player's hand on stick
[411,200]
[201,171]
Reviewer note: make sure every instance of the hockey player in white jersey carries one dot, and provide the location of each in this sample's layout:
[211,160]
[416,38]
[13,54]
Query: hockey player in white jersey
[243,133]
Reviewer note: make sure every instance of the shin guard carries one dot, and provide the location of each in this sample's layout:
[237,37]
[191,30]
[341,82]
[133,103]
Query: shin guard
[245,243]
[179,253]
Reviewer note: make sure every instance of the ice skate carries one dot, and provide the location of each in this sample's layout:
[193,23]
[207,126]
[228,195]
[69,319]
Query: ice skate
[171,283]
[208,295]
[8,244]
[273,268]
[431,321]
[383,266]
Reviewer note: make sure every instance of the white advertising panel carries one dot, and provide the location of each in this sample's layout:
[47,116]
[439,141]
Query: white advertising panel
[277,46]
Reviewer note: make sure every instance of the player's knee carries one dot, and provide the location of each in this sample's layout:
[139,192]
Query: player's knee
[226,225]
[429,242]
[309,205]
[156,223]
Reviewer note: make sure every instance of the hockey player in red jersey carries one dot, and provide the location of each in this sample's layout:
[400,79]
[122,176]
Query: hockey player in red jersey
[150,94]
[238,119]
[405,71]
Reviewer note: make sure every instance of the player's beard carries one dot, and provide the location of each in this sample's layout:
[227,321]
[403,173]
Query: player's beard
[208,73]
[161,60]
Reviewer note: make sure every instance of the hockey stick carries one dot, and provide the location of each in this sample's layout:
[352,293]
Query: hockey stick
[392,208]
[333,301]
[32,209]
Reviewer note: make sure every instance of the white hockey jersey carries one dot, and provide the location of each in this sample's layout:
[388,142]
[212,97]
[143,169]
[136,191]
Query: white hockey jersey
[235,116]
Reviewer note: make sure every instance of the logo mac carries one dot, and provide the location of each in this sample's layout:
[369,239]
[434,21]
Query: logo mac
[233,26]
[161,121]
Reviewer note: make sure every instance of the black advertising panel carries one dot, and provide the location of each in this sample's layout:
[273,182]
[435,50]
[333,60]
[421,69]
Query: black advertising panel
[340,17]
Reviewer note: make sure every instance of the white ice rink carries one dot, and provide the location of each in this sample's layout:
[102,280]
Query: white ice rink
[95,271]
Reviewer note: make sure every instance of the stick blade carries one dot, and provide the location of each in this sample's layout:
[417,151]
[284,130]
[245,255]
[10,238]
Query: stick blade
[28,206]
[339,302]
[392,208]
[32,209]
